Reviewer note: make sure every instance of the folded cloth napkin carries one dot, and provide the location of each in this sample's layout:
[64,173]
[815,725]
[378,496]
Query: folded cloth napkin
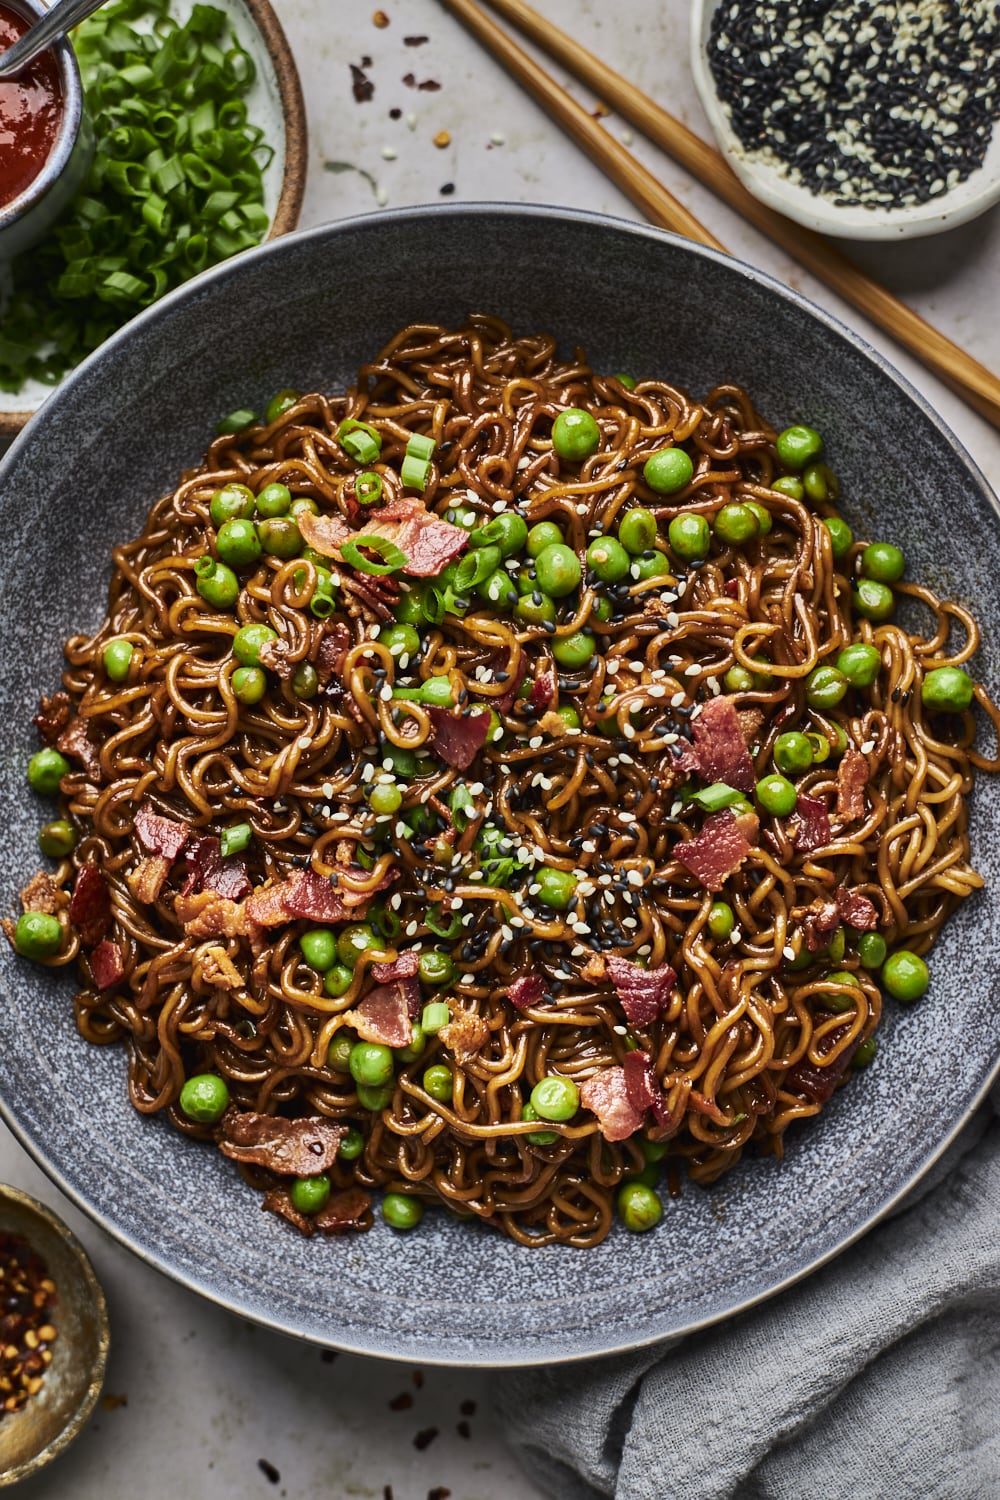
[877,1378]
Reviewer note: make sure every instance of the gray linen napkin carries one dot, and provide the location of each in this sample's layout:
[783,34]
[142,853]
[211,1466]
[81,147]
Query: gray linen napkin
[878,1378]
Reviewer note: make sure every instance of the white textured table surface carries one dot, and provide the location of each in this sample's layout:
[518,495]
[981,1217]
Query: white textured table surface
[205,1397]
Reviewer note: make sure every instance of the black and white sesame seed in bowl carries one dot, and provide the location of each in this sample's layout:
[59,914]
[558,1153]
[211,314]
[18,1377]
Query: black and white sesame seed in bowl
[869,121]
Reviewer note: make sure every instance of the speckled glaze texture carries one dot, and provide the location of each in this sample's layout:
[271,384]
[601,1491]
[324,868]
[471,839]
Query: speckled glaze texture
[306,311]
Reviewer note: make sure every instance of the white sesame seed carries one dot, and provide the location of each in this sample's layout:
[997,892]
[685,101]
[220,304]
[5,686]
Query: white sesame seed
[645,950]
[385,693]
[628,731]
[411,929]
[327,789]
[578,951]
[673,619]
[634,877]
[381,196]
[675,810]
[388,153]
[536,742]
[867,747]
[411,120]
[657,690]
[692,670]
[677,700]
[620,1030]
[402,832]
[788,951]
[588,846]
[467,979]
[497,138]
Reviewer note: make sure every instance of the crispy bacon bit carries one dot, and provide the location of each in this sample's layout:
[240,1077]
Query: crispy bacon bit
[218,969]
[855,909]
[683,757]
[274,655]
[403,967]
[525,992]
[852,778]
[206,914]
[90,905]
[643,1086]
[428,543]
[817,1084]
[458,738]
[332,650]
[324,533]
[643,992]
[106,964]
[148,878]
[819,921]
[543,690]
[52,716]
[751,718]
[160,835]
[346,1210]
[75,741]
[294,1148]
[606,1096]
[42,894]
[278,1201]
[208,871]
[812,829]
[308,895]
[386,1013]
[719,849]
[465,1034]
[720,747]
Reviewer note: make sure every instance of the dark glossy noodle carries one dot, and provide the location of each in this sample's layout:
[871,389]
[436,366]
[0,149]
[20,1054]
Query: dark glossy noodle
[739,1018]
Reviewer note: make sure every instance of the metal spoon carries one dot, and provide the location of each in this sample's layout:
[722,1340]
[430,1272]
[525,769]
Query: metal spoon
[62,16]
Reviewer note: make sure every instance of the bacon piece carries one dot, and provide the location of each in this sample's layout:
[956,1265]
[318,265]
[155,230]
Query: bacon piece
[684,757]
[279,1201]
[386,1013]
[428,542]
[812,829]
[719,849]
[852,778]
[160,835]
[465,1034]
[332,650]
[606,1096]
[720,747]
[308,895]
[75,741]
[148,878]
[346,1210]
[817,1084]
[458,738]
[42,894]
[206,914]
[855,909]
[90,905]
[751,718]
[508,697]
[274,655]
[52,717]
[525,992]
[403,967]
[106,964]
[324,533]
[208,871]
[543,690]
[294,1148]
[643,1086]
[642,992]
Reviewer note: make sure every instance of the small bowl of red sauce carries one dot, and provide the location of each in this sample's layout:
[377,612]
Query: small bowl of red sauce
[46,142]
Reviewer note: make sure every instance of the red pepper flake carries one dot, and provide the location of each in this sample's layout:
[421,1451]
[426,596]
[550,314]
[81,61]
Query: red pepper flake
[415,41]
[269,1471]
[468,1408]
[402,1402]
[440,1492]
[418,1379]
[361,85]
[425,1437]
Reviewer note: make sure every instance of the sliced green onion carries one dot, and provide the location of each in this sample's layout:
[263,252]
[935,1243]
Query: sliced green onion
[713,798]
[368,488]
[360,440]
[463,807]
[235,838]
[414,472]
[237,421]
[443,926]
[420,447]
[394,557]
[475,566]
[434,1016]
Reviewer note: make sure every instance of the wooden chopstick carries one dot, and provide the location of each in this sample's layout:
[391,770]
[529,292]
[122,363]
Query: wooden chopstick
[971,380]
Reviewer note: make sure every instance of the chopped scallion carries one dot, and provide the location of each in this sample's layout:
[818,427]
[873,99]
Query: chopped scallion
[414,472]
[234,839]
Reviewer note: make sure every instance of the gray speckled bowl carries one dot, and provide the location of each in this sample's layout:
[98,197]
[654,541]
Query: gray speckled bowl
[305,311]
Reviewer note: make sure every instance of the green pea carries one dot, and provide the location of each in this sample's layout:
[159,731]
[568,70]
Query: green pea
[405,763]
[668,470]
[721,920]
[764,518]
[602,610]
[375,1099]
[57,839]
[639,1207]
[217,584]
[649,1175]
[234,501]
[434,1016]
[543,534]
[319,948]
[825,687]
[555,1098]
[310,1194]
[437,692]
[415,1047]
[248,640]
[205,1098]
[305,680]
[574,651]
[336,982]
[651,564]
[37,935]
[280,403]
[789,485]
[865,1053]
[628,381]
[872,950]
[508,531]
[860,664]
[558,570]
[736,524]
[498,589]
[435,968]
[798,446]
[654,1151]
[841,536]
[607,559]
[820,482]
[905,975]
[238,543]
[409,610]
[400,640]
[776,795]
[569,716]
[385,797]
[556,888]
[837,946]
[762,678]
[874,600]
[637,530]
[439,1082]
[537,1137]
[338,1054]
[280,537]
[274,500]
[117,659]
[835,1000]
[793,753]
[354,940]
[46,769]
[883,561]
[535,609]
[249,684]
[303,505]
[352,1145]
[371,1064]
[690,537]
[402,1210]
[946,690]
[575,434]
[738,680]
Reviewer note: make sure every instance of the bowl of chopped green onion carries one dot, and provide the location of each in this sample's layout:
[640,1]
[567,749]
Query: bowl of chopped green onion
[200,133]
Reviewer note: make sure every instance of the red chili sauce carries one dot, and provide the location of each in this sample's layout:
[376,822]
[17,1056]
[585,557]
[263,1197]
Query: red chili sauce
[30,111]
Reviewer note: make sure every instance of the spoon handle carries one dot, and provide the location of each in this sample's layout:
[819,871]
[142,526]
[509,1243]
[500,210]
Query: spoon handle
[59,19]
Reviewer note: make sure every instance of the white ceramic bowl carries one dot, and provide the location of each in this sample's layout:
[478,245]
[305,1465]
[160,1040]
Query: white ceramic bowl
[961,203]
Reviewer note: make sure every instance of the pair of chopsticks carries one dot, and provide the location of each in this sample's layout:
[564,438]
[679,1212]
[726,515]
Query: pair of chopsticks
[965,375]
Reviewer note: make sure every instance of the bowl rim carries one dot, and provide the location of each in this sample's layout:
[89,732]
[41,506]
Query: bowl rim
[293,181]
[64,144]
[542,213]
[887,225]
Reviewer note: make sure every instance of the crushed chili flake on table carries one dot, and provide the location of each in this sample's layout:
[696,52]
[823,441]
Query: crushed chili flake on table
[27,1292]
